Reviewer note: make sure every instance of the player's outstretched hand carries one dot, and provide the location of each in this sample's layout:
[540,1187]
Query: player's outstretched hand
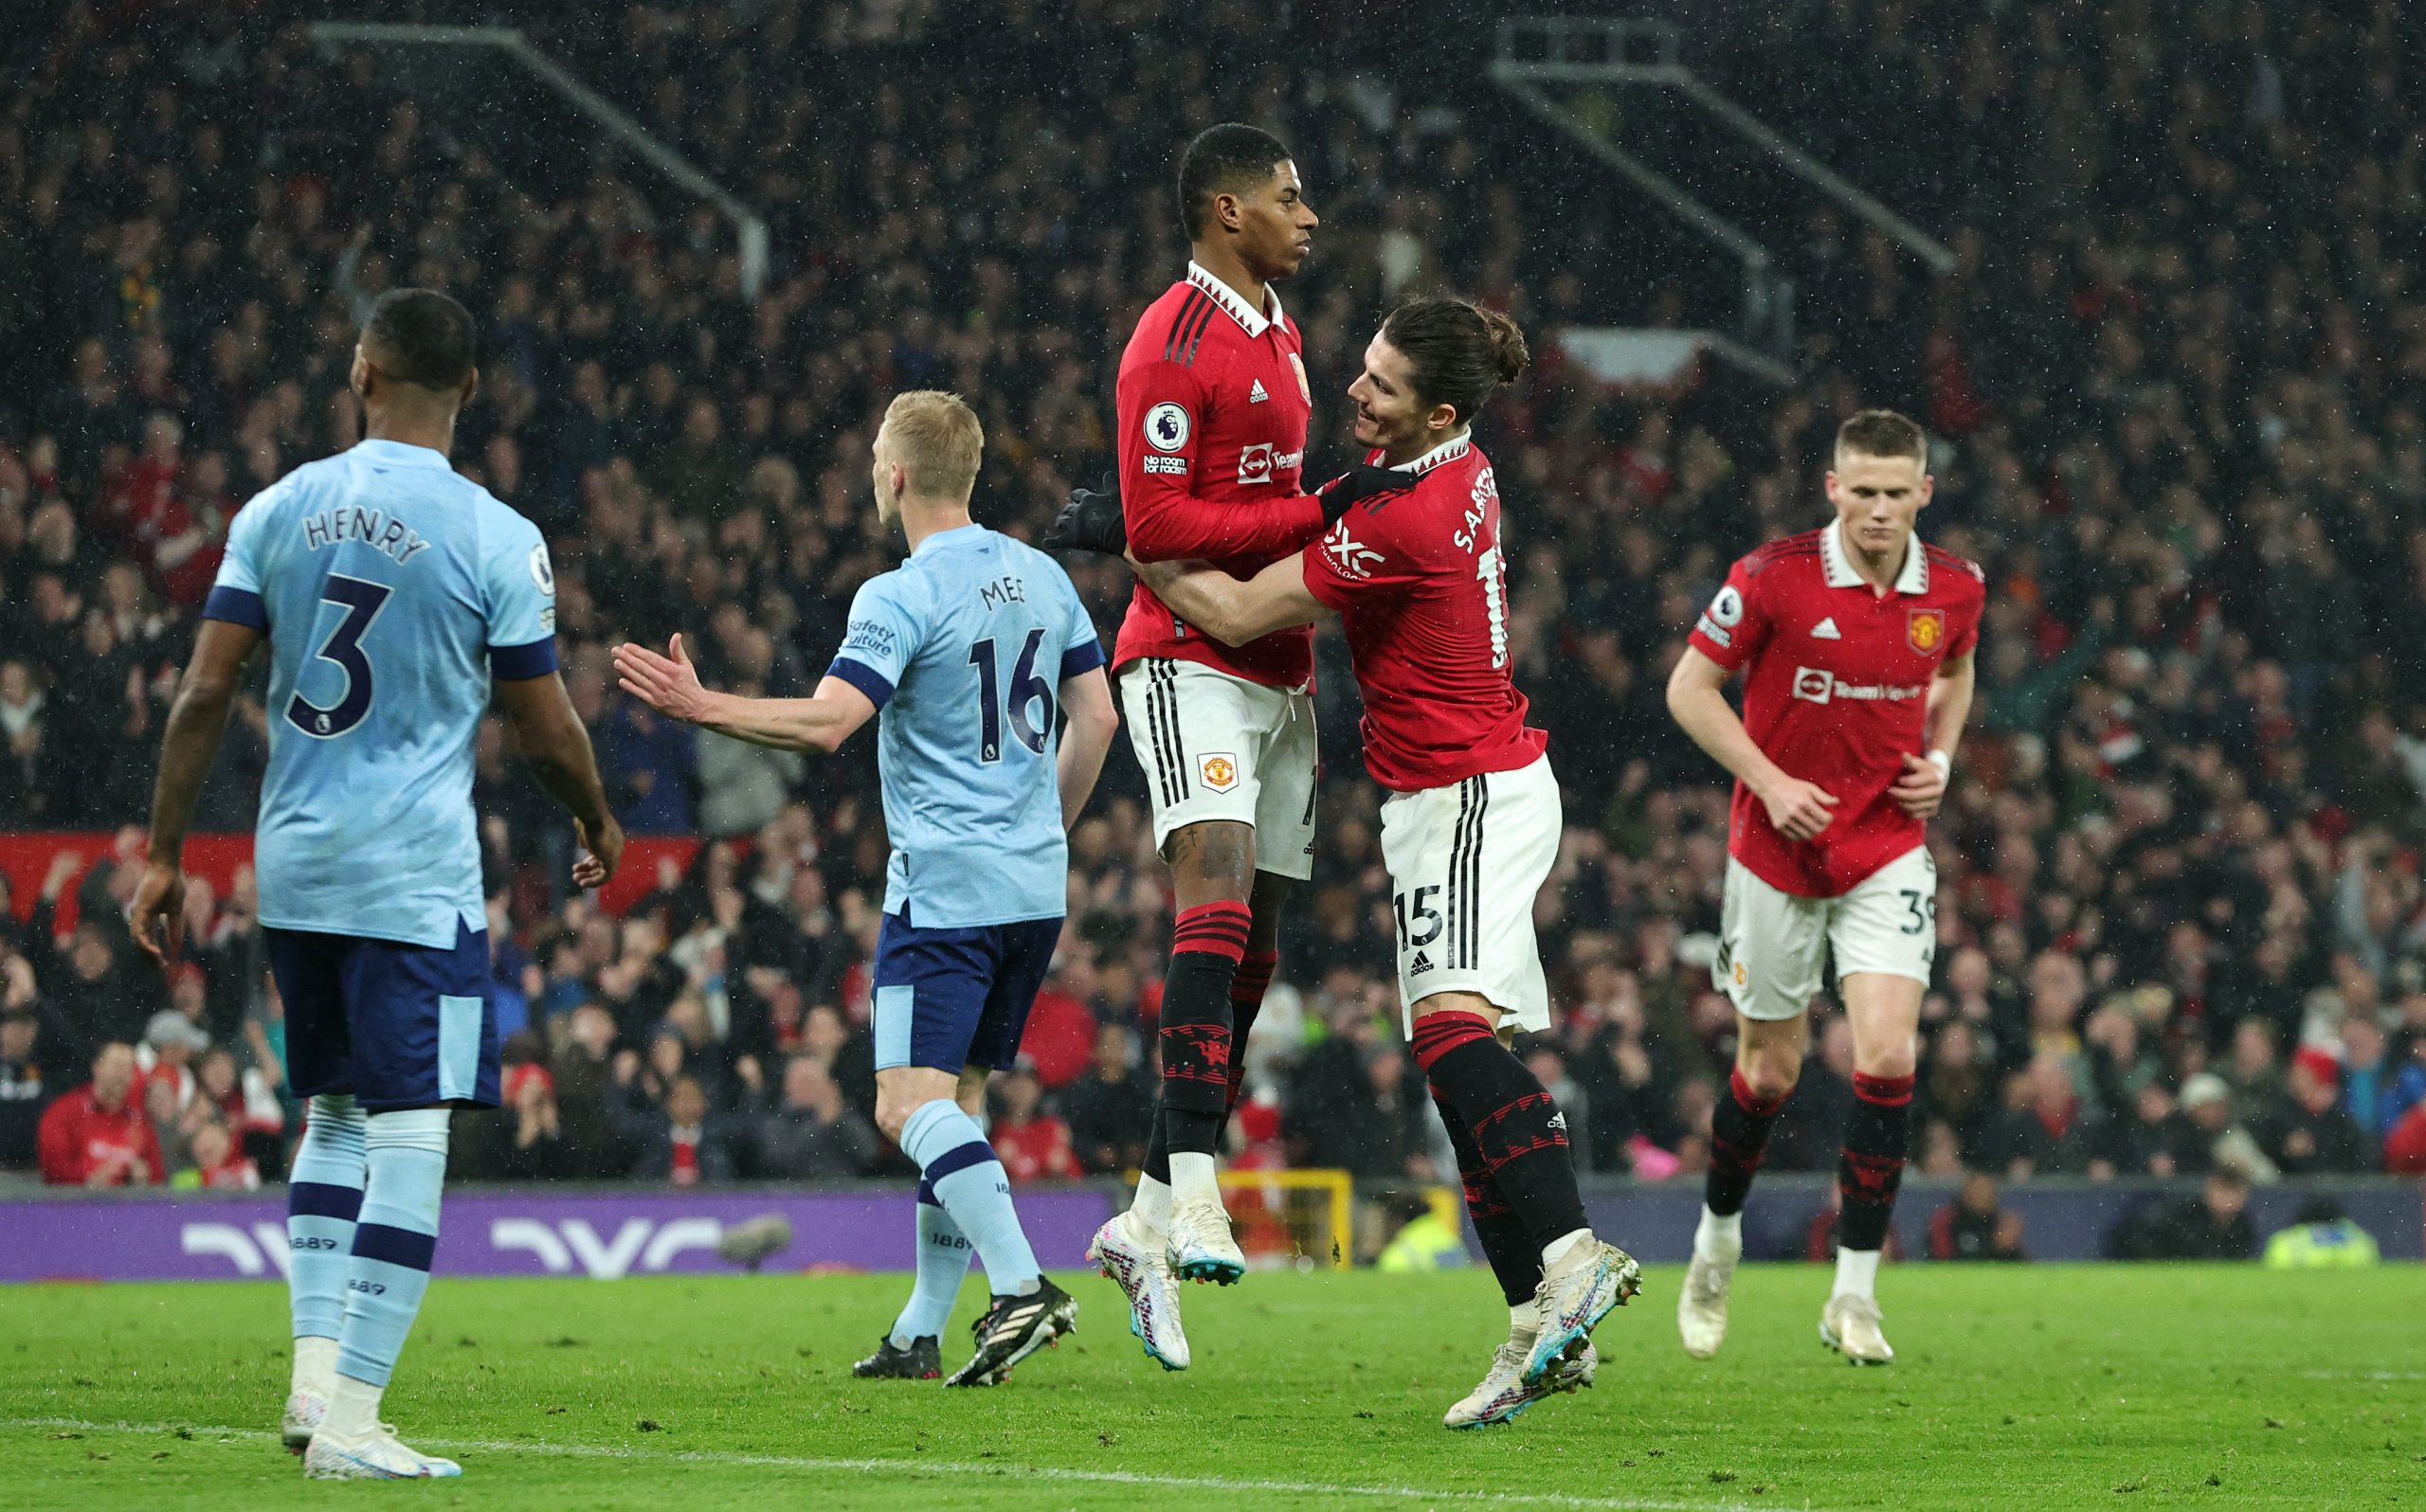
[156,917]
[1091,521]
[1799,809]
[1358,484]
[1922,787]
[606,852]
[668,684]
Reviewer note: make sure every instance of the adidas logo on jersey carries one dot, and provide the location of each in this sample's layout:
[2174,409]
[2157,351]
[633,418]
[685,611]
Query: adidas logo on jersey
[1421,964]
[1256,394]
[1826,630]
[1558,1121]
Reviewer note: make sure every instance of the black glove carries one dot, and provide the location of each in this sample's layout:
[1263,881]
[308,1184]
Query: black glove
[1091,522]
[1358,484]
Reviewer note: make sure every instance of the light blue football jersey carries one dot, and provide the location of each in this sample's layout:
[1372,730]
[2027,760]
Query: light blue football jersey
[391,589]
[964,648]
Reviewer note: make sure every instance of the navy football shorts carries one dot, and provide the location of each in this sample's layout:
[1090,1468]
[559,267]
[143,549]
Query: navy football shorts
[398,1025]
[951,999]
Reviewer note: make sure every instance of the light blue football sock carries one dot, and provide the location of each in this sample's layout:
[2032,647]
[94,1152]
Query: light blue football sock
[393,1240]
[944,1255]
[974,1190]
[323,1198]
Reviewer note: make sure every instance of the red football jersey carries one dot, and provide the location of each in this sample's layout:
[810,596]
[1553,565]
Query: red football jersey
[1422,588]
[1213,404]
[1836,692]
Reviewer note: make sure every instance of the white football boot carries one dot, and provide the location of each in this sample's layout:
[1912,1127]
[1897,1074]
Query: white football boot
[1701,1306]
[1134,1260]
[1589,1284]
[1201,1246]
[1849,1326]
[378,1456]
[304,1412]
[1503,1393]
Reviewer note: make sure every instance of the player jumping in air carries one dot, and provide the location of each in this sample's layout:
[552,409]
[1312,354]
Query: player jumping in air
[397,598]
[970,649]
[1212,408]
[1856,641]
[1471,828]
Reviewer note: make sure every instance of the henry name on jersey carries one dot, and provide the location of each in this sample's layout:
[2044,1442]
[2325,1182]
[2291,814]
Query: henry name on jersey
[372,528]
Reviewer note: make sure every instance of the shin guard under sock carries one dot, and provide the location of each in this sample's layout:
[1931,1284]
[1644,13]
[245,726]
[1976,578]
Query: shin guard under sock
[1739,1135]
[1871,1165]
[1516,1260]
[1207,944]
[1516,1127]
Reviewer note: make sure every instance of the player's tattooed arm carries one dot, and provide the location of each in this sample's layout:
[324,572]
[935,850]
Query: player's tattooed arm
[1232,610]
[670,684]
[198,721]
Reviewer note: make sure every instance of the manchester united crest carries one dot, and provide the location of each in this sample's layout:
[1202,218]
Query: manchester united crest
[1926,629]
[1219,771]
[1305,389]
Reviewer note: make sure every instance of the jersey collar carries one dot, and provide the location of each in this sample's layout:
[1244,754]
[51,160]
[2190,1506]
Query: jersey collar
[1253,321]
[943,538]
[1448,451]
[402,454]
[1913,578]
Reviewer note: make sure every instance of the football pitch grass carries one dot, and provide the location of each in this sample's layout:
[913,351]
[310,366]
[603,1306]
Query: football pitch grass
[2033,1386]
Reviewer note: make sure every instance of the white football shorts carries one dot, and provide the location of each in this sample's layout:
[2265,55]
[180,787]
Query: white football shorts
[1466,861]
[1215,746]
[1774,946]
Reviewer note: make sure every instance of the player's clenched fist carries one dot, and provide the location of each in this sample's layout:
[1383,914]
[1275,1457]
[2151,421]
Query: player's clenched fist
[1922,787]
[1799,809]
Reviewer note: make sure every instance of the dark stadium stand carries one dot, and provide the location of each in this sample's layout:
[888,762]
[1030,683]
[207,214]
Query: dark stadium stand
[2175,380]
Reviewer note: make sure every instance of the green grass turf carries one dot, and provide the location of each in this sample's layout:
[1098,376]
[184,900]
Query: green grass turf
[2047,1386]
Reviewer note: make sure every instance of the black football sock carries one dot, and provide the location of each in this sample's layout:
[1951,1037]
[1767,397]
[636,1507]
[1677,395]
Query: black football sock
[1871,1165]
[1206,943]
[1739,1135]
[1158,1149]
[1247,987]
[1516,1127]
[1515,1260]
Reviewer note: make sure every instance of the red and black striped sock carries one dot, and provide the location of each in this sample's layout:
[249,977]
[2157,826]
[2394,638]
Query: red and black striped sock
[1517,1262]
[1518,1131]
[1739,1135]
[1247,987]
[1207,944]
[1871,1165]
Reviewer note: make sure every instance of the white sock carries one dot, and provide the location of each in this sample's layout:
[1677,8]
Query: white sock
[1192,1178]
[1857,1273]
[1560,1247]
[1524,1320]
[1152,1208]
[353,1408]
[1719,1239]
[315,1365]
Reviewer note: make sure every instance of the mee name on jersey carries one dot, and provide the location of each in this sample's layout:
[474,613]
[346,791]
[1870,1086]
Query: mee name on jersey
[1420,581]
[1836,692]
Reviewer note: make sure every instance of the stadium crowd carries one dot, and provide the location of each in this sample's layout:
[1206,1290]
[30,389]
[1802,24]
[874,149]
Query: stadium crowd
[2175,382]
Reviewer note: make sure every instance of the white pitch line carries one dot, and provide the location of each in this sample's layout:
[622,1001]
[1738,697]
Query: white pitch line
[1019,1472]
[2363,1375]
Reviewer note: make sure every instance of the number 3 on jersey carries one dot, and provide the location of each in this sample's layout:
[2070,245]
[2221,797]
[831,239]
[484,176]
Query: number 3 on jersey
[362,601]
[1027,689]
